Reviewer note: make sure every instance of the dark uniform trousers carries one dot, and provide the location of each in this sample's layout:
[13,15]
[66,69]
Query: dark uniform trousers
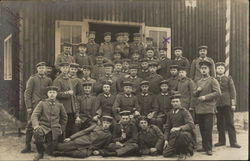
[129,149]
[225,122]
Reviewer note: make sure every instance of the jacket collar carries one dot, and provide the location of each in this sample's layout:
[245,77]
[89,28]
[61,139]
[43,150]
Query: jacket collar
[128,96]
[164,94]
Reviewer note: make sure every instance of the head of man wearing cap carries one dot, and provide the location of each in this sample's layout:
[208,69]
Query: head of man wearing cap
[133,70]
[205,68]
[86,70]
[125,37]
[106,87]
[106,121]
[183,72]
[108,68]
[203,51]
[127,87]
[107,36]
[220,68]
[174,70]
[125,63]
[49,70]
[149,41]
[178,51]
[99,58]
[117,65]
[144,64]
[87,88]
[64,68]
[144,85]
[163,52]
[153,67]
[73,68]
[117,55]
[125,117]
[41,68]
[164,86]
[137,37]
[150,52]
[82,48]
[135,56]
[119,37]
[52,92]
[66,48]
[91,36]
[143,122]
[175,100]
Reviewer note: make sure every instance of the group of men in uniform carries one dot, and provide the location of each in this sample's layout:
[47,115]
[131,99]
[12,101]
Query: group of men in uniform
[128,99]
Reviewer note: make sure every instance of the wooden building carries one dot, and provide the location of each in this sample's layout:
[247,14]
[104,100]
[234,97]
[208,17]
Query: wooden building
[43,25]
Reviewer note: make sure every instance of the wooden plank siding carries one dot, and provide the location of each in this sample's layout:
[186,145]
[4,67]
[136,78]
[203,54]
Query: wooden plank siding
[190,28]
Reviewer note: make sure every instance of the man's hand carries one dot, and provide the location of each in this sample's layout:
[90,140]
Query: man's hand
[119,143]
[150,115]
[96,152]
[78,120]
[233,108]
[201,98]
[137,113]
[165,144]
[123,135]
[153,150]
[199,89]
[71,92]
[67,140]
[175,129]
[96,117]
[29,110]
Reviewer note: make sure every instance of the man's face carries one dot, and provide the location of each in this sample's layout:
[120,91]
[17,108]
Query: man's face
[86,72]
[152,69]
[137,39]
[149,43]
[106,125]
[203,53]
[144,65]
[87,89]
[125,65]
[176,103]
[143,124]
[41,70]
[173,71]
[48,70]
[144,88]
[117,56]
[127,89]
[126,38]
[64,69]
[118,67]
[82,49]
[182,73]
[99,60]
[119,38]
[178,53]
[164,88]
[162,53]
[52,94]
[133,72]
[135,56]
[106,88]
[107,38]
[150,53]
[108,70]
[125,120]
[204,70]
[92,37]
[72,70]
[220,69]
[67,49]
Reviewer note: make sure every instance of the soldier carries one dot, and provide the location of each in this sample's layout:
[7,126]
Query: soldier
[76,82]
[124,141]
[87,79]
[149,42]
[118,74]
[161,106]
[126,101]
[125,45]
[173,80]
[178,132]
[137,45]
[195,71]
[145,99]
[179,59]
[119,44]
[164,63]
[208,89]
[143,71]
[48,120]
[135,57]
[125,65]
[154,78]
[81,57]
[150,138]
[35,92]
[66,95]
[85,108]
[105,101]
[226,105]
[92,46]
[86,142]
[151,54]
[65,56]
[107,48]
[117,56]
[98,68]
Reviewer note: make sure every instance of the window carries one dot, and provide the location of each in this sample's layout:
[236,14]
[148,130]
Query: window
[72,32]
[161,36]
[8,58]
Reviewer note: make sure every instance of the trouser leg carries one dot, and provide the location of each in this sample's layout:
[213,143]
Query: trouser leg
[208,122]
[200,119]
[67,146]
[171,147]
[183,142]
[229,121]
[51,142]
[70,127]
[221,125]
[127,150]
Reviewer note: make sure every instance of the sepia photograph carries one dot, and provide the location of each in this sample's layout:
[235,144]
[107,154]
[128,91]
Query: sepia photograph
[124,80]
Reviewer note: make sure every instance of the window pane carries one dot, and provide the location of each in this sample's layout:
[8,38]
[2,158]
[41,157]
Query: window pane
[76,34]
[154,34]
[8,58]
[163,39]
[65,33]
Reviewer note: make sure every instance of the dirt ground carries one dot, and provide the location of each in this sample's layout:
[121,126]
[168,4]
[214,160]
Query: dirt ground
[11,144]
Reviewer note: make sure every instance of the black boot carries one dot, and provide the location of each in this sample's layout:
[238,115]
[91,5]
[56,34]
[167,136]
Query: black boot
[27,149]
[28,138]
[38,157]
[106,153]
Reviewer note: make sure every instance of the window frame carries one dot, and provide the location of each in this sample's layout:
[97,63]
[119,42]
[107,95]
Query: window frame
[8,73]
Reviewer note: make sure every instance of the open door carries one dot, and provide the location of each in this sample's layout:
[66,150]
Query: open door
[161,36]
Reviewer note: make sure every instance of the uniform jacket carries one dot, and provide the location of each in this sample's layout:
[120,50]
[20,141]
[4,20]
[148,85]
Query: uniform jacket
[146,103]
[211,90]
[181,61]
[92,49]
[135,82]
[51,116]
[228,92]
[164,70]
[130,130]
[86,105]
[107,48]
[195,73]
[36,90]
[186,87]
[110,78]
[63,58]
[123,48]
[178,118]
[139,47]
[154,83]
[98,71]
[143,73]
[104,104]
[151,138]
[162,104]
[83,59]
[173,83]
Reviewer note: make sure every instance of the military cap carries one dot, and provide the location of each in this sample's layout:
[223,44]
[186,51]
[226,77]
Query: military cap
[107,34]
[64,64]
[126,60]
[52,88]
[163,48]
[153,63]
[92,32]
[176,95]
[174,66]
[86,84]
[144,60]
[107,118]
[136,34]
[82,45]
[133,66]
[74,65]
[107,83]
[108,65]
[143,118]
[149,48]
[127,83]
[66,44]
[178,48]
[86,67]
[99,54]
[144,82]
[202,47]
[118,62]
[125,113]
[149,39]
[183,68]
[118,34]
[220,64]
[204,62]
[164,82]
[40,64]
[125,34]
